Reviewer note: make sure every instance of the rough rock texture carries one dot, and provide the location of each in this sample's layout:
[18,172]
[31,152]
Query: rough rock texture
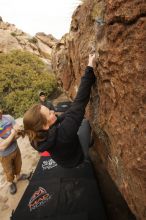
[45,44]
[116,29]
[12,38]
[70,55]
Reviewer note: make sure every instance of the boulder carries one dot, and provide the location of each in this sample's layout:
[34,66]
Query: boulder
[115,29]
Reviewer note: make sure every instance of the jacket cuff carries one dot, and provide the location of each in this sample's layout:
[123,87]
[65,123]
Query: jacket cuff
[89,68]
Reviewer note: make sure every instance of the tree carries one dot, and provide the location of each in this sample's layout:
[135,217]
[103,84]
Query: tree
[22,75]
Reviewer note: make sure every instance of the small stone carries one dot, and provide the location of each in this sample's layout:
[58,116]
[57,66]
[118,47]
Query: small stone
[2,181]
[1,173]
[4,207]
[34,163]
[3,199]
[138,159]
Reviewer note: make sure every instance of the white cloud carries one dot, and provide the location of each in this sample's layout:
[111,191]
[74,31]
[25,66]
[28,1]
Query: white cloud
[49,16]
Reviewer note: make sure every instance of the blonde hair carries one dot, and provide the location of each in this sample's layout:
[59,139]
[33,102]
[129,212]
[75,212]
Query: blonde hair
[33,122]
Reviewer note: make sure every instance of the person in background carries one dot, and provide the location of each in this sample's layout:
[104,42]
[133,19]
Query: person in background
[59,135]
[43,101]
[10,156]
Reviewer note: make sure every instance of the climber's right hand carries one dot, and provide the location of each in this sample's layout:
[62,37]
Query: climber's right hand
[91,59]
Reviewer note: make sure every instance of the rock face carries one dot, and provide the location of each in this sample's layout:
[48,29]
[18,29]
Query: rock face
[70,55]
[116,29]
[12,38]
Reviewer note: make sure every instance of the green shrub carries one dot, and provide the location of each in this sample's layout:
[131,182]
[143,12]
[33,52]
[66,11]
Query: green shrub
[33,40]
[22,75]
[13,34]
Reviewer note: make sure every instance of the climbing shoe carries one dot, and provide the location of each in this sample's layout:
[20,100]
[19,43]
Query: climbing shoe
[13,188]
[25,176]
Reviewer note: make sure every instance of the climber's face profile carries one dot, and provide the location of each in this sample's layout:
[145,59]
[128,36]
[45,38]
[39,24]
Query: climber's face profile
[49,115]
[38,118]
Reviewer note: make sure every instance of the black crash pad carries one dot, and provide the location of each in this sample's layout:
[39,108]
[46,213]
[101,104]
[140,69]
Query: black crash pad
[55,193]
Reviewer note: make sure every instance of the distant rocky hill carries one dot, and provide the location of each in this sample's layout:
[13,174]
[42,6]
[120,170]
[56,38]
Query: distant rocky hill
[12,38]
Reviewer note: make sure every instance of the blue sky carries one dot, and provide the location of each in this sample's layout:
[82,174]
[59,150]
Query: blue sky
[32,16]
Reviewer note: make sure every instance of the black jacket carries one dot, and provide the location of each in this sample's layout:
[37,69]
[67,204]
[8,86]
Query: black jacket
[61,140]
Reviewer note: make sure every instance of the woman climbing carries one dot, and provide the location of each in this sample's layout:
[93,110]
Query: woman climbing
[60,135]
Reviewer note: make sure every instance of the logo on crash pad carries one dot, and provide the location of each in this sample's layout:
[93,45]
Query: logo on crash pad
[48,164]
[39,198]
